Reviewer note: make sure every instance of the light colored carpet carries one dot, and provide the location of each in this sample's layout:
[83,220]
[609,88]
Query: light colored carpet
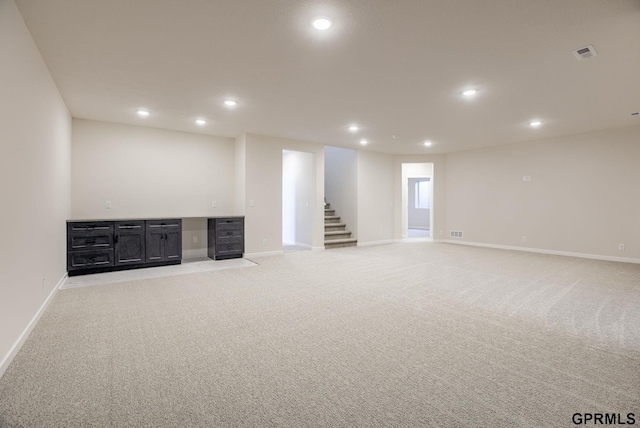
[187,266]
[400,335]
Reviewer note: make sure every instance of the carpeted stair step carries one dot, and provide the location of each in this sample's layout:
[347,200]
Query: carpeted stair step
[340,243]
[331,219]
[329,211]
[334,226]
[338,234]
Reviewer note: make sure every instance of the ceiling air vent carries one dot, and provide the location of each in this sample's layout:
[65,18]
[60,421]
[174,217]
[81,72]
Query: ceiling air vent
[585,53]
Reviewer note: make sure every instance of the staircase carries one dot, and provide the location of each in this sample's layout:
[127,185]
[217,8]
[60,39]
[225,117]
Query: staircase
[335,233]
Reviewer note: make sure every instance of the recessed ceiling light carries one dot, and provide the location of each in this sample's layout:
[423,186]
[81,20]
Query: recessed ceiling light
[470,92]
[230,103]
[363,142]
[535,123]
[353,128]
[428,143]
[143,113]
[201,122]
[321,23]
[395,137]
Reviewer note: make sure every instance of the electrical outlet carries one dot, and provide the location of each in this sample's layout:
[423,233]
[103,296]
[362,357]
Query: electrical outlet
[214,204]
[252,203]
[621,247]
[524,238]
[264,242]
[526,178]
[307,204]
[107,205]
[195,239]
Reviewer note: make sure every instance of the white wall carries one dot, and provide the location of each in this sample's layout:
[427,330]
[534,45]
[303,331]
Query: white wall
[194,229]
[263,186]
[582,197]
[35,129]
[375,197]
[148,172]
[298,196]
[341,184]
[240,174]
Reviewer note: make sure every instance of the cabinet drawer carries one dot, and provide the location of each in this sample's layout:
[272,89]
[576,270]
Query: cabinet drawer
[229,223]
[223,248]
[129,225]
[168,223]
[233,240]
[228,232]
[89,241]
[90,259]
[90,226]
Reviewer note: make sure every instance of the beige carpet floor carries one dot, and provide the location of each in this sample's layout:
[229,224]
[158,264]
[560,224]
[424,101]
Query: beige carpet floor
[401,335]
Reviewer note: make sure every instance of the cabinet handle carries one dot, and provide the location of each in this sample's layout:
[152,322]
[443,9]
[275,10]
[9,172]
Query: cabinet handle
[128,227]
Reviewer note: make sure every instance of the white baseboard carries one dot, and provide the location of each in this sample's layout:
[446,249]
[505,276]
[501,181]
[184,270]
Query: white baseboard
[6,361]
[297,244]
[264,254]
[300,244]
[367,244]
[540,251]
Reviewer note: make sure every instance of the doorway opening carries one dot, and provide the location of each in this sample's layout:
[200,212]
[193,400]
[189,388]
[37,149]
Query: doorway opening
[417,201]
[298,200]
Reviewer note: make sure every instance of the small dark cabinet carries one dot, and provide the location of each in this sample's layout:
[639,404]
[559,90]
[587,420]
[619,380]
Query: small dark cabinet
[164,240]
[89,245]
[225,237]
[129,243]
[103,246]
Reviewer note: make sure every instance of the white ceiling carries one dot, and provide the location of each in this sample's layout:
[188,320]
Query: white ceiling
[391,66]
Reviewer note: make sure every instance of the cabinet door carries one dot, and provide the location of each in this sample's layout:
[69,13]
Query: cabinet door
[154,244]
[90,259]
[173,243]
[129,243]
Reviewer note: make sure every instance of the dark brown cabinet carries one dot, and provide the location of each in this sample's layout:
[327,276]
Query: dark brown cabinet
[102,246]
[164,240]
[225,237]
